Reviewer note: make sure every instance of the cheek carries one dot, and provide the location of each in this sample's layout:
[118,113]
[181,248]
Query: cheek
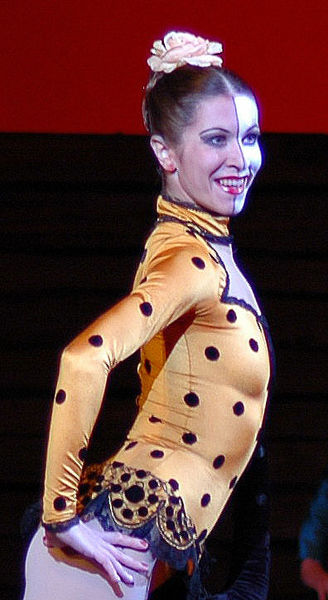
[253,158]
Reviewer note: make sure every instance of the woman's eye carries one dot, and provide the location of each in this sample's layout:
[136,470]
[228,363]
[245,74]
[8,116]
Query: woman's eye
[215,140]
[251,139]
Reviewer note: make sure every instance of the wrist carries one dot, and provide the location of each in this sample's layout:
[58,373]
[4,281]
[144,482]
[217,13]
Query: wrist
[61,526]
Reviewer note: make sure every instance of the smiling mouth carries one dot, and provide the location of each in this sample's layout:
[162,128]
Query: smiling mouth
[232,185]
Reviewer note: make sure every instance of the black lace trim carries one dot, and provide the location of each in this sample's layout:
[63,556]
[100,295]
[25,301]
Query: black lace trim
[225,240]
[59,527]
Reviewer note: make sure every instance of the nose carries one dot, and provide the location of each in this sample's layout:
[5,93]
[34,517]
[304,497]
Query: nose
[235,157]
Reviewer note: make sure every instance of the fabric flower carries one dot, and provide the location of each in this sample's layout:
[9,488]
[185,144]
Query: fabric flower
[180,48]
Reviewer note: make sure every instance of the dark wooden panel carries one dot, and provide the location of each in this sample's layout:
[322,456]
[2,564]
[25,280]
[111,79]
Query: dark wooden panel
[285,582]
[284,219]
[292,159]
[303,418]
[78,159]
[288,511]
[75,211]
[76,218]
[297,463]
[47,273]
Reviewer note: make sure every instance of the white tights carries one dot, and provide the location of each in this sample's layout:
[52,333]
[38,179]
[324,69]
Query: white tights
[52,574]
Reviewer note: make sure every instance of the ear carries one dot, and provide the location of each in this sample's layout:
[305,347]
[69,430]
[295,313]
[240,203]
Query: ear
[164,153]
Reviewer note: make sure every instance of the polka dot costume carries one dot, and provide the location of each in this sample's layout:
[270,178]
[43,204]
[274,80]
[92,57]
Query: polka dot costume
[204,371]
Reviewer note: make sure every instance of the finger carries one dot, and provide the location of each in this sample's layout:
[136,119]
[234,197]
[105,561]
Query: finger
[120,539]
[124,575]
[107,564]
[129,561]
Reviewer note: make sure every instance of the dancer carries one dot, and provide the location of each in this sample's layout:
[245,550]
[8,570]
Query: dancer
[204,365]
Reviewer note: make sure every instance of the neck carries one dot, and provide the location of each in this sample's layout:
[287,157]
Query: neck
[194,216]
[173,189]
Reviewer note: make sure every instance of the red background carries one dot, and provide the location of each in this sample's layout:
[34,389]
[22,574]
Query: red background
[79,65]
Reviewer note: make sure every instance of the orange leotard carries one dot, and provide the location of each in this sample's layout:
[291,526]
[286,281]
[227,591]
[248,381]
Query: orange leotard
[204,372]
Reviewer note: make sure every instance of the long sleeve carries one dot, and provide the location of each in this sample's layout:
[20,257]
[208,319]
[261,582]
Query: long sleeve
[313,539]
[174,281]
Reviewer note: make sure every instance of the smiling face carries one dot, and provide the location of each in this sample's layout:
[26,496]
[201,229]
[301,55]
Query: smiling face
[218,156]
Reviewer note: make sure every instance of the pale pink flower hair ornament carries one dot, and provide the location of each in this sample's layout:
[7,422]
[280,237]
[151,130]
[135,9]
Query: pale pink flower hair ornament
[182,48]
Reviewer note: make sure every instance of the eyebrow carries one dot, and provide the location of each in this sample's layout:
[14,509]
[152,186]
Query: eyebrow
[213,129]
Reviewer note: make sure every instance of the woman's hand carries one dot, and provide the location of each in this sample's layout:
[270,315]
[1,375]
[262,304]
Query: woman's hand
[102,547]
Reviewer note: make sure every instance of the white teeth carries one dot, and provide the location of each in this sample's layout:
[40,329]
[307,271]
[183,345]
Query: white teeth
[233,182]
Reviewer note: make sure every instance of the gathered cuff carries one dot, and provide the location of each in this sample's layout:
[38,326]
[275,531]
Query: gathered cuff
[59,527]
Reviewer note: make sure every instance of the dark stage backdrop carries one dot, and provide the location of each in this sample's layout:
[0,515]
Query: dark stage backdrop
[78,66]
[75,210]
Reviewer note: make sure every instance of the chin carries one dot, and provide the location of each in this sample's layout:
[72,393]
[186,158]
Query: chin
[238,206]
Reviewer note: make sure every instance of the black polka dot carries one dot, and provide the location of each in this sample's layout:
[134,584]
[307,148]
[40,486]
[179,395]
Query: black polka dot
[135,493]
[125,477]
[152,498]
[84,488]
[83,453]
[118,503]
[254,345]
[174,500]
[233,482]
[157,454]
[60,396]
[189,438]
[212,353]
[116,488]
[238,408]
[191,399]
[100,478]
[143,511]
[143,256]
[154,419]
[231,316]
[218,461]
[127,513]
[174,484]
[131,445]
[141,473]
[206,499]
[59,503]
[95,340]
[116,464]
[153,484]
[170,511]
[198,262]
[146,308]
[147,365]
[170,525]
[97,488]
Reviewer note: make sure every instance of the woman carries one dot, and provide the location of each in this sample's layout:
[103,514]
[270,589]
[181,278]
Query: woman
[204,366]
